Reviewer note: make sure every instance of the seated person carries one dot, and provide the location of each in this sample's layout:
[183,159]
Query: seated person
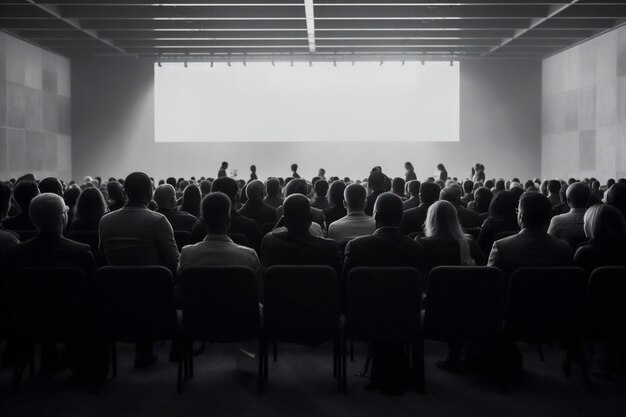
[616,197]
[336,210]
[7,238]
[90,207]
[217,248]
[296,245]
[51,185]
[117,198]
[569,226]
[23,193]
[356,223]
[273,198]
[502,218]
[467,218]
[255,208]
[376,184]
[165,199]
[606,230]
[413,219]
[320,201]
[414,195]
[532,246]
[299,186]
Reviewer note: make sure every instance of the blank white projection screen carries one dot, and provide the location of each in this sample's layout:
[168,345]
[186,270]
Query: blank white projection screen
[259,102]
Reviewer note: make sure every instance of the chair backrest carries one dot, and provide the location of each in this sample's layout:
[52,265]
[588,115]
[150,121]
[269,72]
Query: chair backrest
[137,303]
[239,239]
[266,228]
[301,303]
[49,304]
[90,238]
[25,235]
[220,303]
[183,238]
[383,303]
[606,303]
[465,303]
[502,235]
[544,303]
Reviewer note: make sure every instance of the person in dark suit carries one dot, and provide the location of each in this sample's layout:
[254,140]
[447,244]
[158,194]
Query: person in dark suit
[467,218]
[255,208]
[165,198]
[296,245]
[606,230]
[388,246]
[253,175]
[533,246]
[222,171]
[294,171]
[238,224]
[376,185]
[272,188]
[23,193]
[502,218]
[337,210]
[300,186]
[413,219]
[413,190]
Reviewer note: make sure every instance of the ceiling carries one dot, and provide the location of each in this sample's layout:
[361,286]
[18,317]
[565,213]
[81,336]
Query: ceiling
[309,29]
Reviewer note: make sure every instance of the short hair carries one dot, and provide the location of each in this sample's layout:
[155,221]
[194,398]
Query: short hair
[165,196]
[429,192]
[272,187]
[296,186]
[578,194]
[171,181]
[482,199]
[398,186]
[535,209]
[227,186]
[24,192]
[468,186]
[442,221]
[51,185]
[376,181]
[216,208]
[335,194]
[554,186]
[224,164]
[46,210]
[254,190]
[205,187]
[604,223]
[321,187]
[355,196]
[253,168]
[138,187]
[115,191]
[5,199]
[414,188]
[409,166]
[297,212]
[449,194]
[294,167]
[388,209]
[503,205]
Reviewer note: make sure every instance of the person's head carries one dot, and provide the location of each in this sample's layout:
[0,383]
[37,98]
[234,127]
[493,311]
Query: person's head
[227,186]
[321,173]
[429,192]
[408,166]
[376,181]
[397,186]
[91,204]
[503,206]
[449,194]
[5,199]
[51,185]
[191,200]
[554,186]
[482,199]
[294,167]
[171,181]
[500,185]
[577,195]
[255,190]
[604,223]
[388,210]
[165,197]
[272,187]
[440,167]
[216,208]
[48,213]
[468,186]
[297,186]
[115,191]
[413,188]
[252,168]
[595,185]
[138,188]
[442,222]
[205,187]
[321,188]
[616,196]
[71,195]
[610,183]
[354,197]
[297,213]
[534,211]
[335,193]
[224,165]
[24,192]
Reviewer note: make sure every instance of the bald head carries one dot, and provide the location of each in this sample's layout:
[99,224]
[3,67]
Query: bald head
[355,196]
[165,197]
[255,190]
[48,213]
[388,210]
[297,212]
[577,195]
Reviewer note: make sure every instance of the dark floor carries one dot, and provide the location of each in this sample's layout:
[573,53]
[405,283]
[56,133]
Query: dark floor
[301,384]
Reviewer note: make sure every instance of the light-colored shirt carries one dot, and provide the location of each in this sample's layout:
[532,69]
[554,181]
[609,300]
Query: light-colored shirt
[354,224]
[569,226]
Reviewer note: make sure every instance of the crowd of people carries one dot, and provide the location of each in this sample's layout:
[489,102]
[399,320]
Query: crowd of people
[374,221]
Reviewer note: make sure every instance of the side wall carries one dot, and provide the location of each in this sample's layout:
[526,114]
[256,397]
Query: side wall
[34,111]
[584,110]
[113,130]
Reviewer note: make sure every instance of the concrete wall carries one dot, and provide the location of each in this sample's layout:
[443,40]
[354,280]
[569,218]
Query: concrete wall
[584,110]
[113,130]
[34,111]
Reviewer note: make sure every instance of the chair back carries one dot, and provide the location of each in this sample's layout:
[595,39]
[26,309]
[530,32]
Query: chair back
[90,238]
[383,303]
[48,304]
[220,303]
[267,227]
[606,306]
[182,238]
[137,303]
[25,235]
[239,239]
[465,303]
[301,303]
[544,303]
[503,235]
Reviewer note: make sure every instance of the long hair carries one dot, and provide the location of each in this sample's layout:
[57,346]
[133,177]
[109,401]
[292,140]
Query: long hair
[441,221]
[90,205]
[191,200]
[605,223]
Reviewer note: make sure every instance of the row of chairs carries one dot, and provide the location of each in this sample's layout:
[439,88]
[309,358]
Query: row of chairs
[301,304]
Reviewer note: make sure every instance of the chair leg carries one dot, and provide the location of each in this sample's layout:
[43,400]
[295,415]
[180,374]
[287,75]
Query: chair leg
[114,360]
[344,357]
[261,373]
[417,360]
[181,360]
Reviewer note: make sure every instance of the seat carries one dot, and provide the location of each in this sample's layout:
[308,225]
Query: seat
[92,239]
[503,235]
[266,228]
[239,239]
[25,235]
[545,305]
[183,238]
[137,306]
[465,306]
[383,304]
[605,314]
[301,305]
[220,305]
[47,305]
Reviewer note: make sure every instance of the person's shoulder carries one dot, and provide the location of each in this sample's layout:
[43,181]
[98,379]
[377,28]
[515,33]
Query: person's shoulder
[72,245]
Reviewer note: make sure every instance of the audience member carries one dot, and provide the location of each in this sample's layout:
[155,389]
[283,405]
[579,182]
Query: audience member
[90,208]
[554,187]
[356,223]
[165,199]
[502,218]
[413,219]
[255,208]
[205,187]
[467,218]
[468,191]
[482,200]
[191,200]
[413,189]
[410,172]
[51,185]
[23,193]
[569,226]
[337,209]
[376,184]
[117,197]
[272,188]
[299,186]
[616,197]
[7,238]
[320,201]
[532,246]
